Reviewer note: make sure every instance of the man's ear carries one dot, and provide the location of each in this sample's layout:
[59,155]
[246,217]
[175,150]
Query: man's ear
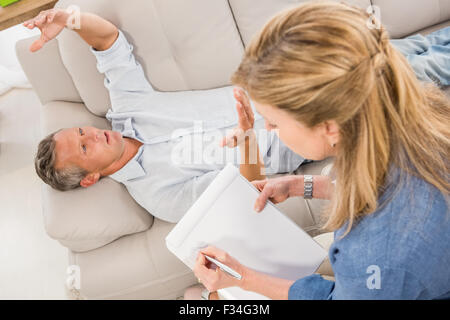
[90,179]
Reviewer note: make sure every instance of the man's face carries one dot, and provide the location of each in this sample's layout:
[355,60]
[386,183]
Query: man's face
[87,147]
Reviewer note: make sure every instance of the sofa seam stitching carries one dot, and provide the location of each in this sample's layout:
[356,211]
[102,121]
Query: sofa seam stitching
[236,24]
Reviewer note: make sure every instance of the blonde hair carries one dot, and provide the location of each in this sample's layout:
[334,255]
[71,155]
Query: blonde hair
[319,62]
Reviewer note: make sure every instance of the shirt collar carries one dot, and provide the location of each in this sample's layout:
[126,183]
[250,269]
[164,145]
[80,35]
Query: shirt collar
[131,170]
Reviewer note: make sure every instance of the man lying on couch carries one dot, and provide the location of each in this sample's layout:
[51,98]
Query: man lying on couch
[148,127]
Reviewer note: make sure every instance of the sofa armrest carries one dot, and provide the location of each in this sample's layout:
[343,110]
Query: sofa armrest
[84,219]
[46,72]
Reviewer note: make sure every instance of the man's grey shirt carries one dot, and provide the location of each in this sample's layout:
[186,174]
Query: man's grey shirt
[180,154]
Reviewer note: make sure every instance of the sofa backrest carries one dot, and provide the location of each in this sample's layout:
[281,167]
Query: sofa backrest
[197,44]
[405,17]
[250,17]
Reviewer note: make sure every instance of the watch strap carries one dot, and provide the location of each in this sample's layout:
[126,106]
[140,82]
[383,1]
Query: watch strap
[308,186]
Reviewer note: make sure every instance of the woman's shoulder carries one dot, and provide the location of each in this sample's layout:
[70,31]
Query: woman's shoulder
[417,230]
[416,207]
[408,233]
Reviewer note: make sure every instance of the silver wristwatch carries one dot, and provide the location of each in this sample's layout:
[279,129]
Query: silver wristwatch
[308,186]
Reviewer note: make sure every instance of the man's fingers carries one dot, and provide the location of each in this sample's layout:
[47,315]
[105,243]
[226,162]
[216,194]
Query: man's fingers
[243,99]
[242,115]
[230,141]
[29,23]
[51,15]
[39,21]
[38,44]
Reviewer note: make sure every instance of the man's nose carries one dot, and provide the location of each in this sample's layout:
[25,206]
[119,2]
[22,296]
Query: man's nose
[94,136]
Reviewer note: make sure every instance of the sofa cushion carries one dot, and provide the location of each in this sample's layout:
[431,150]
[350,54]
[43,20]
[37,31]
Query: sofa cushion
[172,39]
[251,18]
[85,219]
[55,83]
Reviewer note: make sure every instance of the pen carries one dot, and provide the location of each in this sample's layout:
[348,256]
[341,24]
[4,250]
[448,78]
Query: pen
[225,268]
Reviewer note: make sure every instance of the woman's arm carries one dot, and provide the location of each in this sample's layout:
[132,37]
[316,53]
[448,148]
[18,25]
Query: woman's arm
[279,189]
[274,288]
[251,165]
[323,187]
[310,287]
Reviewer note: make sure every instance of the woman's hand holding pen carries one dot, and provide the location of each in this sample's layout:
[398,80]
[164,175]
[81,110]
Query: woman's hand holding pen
[215,279]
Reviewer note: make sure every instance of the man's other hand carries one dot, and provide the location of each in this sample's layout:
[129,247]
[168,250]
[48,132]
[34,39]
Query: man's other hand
[50,22]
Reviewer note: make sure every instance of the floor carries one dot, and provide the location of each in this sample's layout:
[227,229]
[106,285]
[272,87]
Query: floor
[32,265]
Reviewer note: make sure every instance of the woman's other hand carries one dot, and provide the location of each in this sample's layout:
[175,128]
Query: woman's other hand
[276,190]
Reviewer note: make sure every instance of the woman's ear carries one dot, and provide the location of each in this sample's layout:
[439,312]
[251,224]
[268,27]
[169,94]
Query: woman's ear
[332,132]
[90,179]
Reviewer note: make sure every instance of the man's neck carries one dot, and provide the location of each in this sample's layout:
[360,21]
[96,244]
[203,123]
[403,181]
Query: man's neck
[131,147]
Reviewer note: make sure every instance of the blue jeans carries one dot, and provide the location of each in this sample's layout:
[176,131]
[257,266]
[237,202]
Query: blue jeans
[429,55]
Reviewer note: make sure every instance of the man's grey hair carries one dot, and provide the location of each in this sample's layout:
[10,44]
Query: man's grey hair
[44,163]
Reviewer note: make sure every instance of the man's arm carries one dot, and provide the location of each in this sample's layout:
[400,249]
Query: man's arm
[124,76]
[96,31]
[251,166]
[99,33]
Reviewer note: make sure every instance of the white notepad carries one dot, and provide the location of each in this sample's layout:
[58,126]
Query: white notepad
[268,241]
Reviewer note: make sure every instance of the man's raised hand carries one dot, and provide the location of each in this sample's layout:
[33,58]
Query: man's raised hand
[50,22]
[245,122]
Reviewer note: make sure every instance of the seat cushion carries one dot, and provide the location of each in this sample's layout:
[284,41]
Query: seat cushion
[136,266]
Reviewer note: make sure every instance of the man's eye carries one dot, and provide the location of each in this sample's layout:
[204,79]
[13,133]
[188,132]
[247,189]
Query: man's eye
[81,131]
[84,148]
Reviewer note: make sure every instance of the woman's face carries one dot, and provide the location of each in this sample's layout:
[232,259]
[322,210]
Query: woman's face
[310,143]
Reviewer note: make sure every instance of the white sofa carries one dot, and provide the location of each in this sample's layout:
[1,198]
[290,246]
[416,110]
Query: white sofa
[182,44]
